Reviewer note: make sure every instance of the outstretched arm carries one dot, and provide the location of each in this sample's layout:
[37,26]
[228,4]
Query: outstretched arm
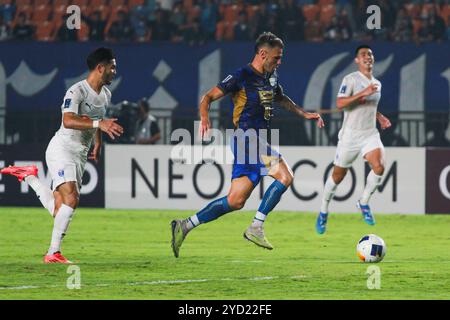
[73,121]
[212,95]
[344,102]
[285,102]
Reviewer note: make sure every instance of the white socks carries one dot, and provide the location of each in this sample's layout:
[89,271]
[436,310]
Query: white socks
[328,193]
[44,194]
[259,219]
[60,226]
[192,222]
[372,183]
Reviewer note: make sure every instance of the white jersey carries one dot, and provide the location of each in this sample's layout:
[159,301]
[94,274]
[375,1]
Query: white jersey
[82,100]
[359,117]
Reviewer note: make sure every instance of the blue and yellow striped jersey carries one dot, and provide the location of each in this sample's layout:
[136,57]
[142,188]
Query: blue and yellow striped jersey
[252,96]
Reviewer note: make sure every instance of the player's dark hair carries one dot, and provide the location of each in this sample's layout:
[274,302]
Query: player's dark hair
[98,56]
[145,104]
[363,46]
[268,39]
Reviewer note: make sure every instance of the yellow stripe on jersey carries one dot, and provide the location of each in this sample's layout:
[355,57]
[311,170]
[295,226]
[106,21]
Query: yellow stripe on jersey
[239,101]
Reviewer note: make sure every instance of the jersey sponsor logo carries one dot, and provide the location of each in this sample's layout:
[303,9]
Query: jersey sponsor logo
[227,78]
[67,103]
[61,173]
[343,89]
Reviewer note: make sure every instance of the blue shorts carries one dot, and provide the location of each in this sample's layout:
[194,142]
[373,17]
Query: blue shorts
[254,159]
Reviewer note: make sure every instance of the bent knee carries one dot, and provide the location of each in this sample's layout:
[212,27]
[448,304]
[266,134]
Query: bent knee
[286,179]
[236,202]
[338,177]
[71,199]
[378,169]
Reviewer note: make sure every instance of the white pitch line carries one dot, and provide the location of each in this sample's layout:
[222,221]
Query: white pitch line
[156,282]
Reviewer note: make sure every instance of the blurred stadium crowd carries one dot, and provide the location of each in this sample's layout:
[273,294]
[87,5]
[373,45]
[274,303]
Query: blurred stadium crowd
[199,21]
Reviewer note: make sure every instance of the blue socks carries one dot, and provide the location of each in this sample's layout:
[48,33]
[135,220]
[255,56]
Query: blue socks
[219,207]
[212,211]
[271,197]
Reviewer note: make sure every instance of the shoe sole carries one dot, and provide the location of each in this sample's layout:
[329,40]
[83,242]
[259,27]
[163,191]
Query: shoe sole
[247,238]
[173,225]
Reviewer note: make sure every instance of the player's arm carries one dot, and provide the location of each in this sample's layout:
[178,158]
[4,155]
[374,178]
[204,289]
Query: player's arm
[95,154]
[73,121]
[205,103]
[383,120]
[345,102]
[286,103]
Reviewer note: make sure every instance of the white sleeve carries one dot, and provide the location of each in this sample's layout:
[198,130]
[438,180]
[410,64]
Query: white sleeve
[72,101]
[346,88]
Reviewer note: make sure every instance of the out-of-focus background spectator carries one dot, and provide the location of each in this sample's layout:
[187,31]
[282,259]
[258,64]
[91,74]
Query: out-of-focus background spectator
[147,129]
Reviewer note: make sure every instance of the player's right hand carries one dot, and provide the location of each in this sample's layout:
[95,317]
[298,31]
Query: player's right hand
[110,127]
[371,89]
[205,125]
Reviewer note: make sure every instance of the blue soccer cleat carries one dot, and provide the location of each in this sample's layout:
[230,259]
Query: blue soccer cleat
[321,224]
[367,214]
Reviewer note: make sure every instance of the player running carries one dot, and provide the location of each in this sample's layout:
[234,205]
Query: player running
[83,109]
[254,89]
[358,96]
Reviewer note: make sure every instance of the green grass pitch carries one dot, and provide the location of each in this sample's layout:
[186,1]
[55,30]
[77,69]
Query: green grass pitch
[126,254]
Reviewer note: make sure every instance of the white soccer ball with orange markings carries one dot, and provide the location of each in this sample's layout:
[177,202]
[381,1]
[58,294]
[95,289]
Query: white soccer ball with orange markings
[371,248]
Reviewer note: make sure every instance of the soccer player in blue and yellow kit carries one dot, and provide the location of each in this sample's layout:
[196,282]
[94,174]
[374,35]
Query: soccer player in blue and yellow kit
[254,89]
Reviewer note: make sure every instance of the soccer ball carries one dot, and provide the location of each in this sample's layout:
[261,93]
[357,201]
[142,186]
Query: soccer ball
[371,248]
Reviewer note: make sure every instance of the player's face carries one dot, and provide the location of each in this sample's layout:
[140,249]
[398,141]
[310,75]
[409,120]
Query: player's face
[108,72]
[365,59]
[272,58]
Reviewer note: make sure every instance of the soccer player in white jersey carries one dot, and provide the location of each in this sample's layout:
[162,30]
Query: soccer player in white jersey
[83,110]
[358,97]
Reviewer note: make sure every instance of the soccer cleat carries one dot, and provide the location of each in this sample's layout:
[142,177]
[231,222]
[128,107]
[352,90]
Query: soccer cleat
[367,214]
[321,224]
[20,172]
[256,235]
[56,257]
[178,235]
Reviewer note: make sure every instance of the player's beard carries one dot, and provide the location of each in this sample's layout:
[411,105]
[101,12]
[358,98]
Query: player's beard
[107,78]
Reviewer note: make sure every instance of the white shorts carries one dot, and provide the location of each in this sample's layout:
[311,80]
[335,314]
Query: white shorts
[64,164]
[350,146]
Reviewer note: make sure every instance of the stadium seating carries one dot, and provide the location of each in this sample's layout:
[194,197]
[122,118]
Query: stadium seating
[45,31]
[41,14]
[57,3]
[116,3]
[83,33]
[133,3]
[325,2]
[21,3]
[310,12]
[327,12]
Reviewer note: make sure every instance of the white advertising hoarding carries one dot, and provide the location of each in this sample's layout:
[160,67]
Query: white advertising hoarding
[148,177]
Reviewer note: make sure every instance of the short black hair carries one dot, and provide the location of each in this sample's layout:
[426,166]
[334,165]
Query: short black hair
[100,55]
[363,46]
[268,39]
[144,104]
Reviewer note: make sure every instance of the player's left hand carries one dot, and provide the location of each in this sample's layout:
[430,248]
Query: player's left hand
[95,154]
[384,122]
[315,116]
